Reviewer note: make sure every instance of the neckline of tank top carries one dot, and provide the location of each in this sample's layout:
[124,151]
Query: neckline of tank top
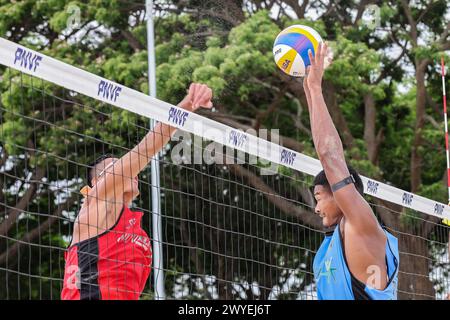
[104,232]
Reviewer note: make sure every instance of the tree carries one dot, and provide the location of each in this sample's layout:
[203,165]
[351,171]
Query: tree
[389,121]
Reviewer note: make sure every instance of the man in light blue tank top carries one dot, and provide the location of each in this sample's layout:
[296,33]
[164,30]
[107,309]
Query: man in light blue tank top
[359,259]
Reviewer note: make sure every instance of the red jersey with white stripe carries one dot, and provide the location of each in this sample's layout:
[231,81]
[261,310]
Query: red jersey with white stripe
[113,265]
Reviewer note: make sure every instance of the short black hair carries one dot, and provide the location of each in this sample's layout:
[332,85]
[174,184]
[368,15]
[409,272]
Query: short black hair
[321,180]
[90,172]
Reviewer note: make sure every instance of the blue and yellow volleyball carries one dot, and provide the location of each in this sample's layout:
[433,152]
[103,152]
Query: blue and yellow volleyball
[290,49]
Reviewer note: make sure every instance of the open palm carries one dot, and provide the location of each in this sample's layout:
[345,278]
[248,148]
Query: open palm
[315,71]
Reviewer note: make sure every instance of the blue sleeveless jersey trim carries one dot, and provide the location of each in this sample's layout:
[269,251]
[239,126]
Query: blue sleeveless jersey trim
[334,280]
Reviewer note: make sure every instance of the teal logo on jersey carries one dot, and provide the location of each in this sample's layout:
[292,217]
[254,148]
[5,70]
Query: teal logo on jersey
[329,271]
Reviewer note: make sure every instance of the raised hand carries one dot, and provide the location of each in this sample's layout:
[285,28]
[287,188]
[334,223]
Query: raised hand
[199,95]
[314,72]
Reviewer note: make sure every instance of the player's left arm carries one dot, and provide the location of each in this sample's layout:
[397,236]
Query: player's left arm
[329,148]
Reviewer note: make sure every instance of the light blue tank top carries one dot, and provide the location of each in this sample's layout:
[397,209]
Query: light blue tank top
[334,280]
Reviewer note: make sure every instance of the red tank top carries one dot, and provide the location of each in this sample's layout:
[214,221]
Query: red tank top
[113,265]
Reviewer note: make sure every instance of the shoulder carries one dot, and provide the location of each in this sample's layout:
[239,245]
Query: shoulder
[362,235]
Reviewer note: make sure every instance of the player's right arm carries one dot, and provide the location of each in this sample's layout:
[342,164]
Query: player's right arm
[125,169]
[112,183]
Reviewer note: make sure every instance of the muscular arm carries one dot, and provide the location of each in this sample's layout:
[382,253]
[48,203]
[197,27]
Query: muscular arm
[111,185]
[329,148]
[128,167]
[92,217]
[125,169]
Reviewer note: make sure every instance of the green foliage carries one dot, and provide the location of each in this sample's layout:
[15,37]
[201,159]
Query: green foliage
[13,134]
[69,130]
[58,22]
[249,48]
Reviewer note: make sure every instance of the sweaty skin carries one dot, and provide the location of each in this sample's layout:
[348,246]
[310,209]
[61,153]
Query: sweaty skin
[364,239]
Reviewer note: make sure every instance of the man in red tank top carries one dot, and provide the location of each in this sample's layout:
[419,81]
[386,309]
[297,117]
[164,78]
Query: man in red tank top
[110,254]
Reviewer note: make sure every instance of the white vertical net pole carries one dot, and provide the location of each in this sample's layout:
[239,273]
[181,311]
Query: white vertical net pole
[158,272]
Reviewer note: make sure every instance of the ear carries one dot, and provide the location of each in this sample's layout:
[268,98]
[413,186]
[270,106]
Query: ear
[328,191]
[85,190]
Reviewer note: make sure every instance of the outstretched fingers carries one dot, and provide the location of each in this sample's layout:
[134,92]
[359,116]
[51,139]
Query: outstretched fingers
[318,56]
[311,58]
[324,53]
[321,54]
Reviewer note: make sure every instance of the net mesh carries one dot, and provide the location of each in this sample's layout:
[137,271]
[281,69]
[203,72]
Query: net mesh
[228,232]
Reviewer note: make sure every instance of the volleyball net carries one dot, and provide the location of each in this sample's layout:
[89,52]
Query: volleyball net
[236,208]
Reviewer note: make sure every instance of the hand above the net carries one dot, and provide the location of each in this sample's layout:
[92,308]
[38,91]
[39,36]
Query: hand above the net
[314,72]
[199,95]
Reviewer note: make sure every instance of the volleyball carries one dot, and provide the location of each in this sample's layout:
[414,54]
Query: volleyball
[290,49]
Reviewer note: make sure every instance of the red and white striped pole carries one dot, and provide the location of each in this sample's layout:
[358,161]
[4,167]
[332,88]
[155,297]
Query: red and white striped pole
[444,99]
